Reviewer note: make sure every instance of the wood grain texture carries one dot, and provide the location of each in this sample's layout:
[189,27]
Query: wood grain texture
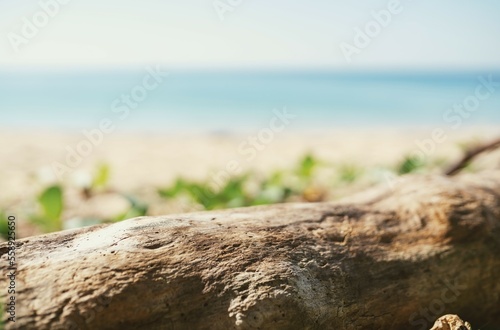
[392,259]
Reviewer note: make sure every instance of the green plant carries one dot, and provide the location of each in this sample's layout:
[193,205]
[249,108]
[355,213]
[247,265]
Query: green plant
[349,173]
[51,205]
[306,167]
[271,190]
[231,194]
[410,164]
[271,195]
[101,176]
[137,209]
[4,227]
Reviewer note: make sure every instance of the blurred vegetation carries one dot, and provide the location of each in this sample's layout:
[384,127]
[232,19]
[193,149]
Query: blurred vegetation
[4,228]
[51,207]
[237,191]
[309,180]
[349,173]
[410,164]
[101,177]
[136,209]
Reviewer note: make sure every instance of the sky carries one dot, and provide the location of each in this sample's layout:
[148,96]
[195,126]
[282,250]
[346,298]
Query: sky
[446,34]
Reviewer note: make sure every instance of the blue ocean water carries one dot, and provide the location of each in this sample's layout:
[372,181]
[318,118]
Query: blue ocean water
[241,100]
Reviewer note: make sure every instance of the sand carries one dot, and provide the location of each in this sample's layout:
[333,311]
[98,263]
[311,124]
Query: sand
[142,162]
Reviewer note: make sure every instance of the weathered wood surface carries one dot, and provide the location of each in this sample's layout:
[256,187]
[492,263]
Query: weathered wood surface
[393,259]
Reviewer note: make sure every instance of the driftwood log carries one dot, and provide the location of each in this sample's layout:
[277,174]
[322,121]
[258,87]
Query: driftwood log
[397,258]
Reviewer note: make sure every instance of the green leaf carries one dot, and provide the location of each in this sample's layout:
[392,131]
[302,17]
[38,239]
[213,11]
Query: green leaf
[202,194]
[410,164]
[137,209]
[271,195]
[236,202]
[276,178]
[51,201]
[233,189]
[4,225]
[179,186]
[350,173]
[101,176]
[307,166]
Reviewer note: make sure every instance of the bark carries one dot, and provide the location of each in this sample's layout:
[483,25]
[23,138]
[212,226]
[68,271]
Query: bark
[397,258]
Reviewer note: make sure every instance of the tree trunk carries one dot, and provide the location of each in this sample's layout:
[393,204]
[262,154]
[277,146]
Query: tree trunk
[397,258]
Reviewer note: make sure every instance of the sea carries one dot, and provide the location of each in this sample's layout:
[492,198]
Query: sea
[226,101]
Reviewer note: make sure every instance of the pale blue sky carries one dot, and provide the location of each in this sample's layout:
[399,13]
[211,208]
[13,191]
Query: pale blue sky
[446,34]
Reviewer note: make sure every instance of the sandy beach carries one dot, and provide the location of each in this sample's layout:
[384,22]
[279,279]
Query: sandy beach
[141,163]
